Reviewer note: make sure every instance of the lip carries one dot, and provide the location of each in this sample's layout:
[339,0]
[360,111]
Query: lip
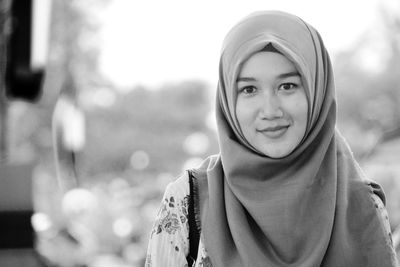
[274,132]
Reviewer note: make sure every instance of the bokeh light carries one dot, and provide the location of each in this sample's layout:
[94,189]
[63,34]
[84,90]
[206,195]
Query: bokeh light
[196,144]
[41,222]
[122,227]
[78,201]
[140,160]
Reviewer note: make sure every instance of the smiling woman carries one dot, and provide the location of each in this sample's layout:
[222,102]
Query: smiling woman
[284,189]
[271,105]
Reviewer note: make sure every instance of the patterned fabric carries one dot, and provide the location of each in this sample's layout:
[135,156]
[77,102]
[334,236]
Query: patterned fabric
[169,238]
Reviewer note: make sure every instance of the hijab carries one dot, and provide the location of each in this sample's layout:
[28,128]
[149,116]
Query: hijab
[310,208]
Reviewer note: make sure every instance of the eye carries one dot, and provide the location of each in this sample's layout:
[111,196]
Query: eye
[288,86]
[248,90]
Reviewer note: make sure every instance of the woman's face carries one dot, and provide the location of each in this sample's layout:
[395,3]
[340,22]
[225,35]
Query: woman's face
[271,105]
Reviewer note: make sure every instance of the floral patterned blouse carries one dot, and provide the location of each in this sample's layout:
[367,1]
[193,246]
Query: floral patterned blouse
[169,238]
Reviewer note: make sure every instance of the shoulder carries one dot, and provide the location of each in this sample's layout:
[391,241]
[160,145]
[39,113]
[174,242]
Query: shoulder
[379,201]
[176,198]
[377,196]
[173,213]
[169,239]
[179,188]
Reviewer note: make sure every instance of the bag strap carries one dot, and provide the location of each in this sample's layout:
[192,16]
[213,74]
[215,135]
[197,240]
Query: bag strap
[194,233]
[198,204]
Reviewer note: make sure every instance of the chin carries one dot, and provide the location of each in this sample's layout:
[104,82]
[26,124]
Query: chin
[277,153]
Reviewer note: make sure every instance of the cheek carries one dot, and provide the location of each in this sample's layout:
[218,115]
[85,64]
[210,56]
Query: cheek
[296,107]
[243,113]
[299,111]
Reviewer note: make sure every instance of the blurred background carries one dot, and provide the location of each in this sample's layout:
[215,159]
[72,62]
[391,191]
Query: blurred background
[126,104]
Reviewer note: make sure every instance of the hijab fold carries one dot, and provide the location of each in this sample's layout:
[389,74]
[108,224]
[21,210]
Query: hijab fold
[310,208]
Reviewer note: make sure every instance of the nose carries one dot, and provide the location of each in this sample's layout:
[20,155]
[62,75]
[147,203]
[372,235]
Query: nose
[270,106]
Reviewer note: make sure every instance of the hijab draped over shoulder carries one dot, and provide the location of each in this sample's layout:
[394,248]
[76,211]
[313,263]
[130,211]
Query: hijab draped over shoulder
[310,208]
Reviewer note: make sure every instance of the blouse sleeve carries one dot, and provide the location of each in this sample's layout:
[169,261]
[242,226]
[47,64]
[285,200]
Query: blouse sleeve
[169,238]
[383,214]
[384,218]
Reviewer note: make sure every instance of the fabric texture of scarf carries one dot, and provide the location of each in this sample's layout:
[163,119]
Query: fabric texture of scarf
[310,208]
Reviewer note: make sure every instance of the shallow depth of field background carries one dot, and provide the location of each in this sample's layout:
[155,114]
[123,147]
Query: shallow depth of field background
[144,78]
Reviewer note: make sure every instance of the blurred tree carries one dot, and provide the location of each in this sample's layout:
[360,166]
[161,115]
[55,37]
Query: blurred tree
[72,66]
[369,102]
[75,43]
[368,91]
[155,122]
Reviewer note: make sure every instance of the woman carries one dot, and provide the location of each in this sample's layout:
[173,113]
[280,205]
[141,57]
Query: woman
[284,189]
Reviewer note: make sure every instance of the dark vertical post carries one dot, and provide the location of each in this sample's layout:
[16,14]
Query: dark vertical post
[5,30]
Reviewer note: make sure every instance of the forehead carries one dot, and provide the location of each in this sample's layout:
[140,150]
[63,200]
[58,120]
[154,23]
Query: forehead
[266,63]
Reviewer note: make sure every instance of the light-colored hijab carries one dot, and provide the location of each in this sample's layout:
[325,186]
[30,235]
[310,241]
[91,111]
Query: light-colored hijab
[310,208]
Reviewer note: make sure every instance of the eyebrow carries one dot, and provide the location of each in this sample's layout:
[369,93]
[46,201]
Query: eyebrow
[280,76]
[289,74]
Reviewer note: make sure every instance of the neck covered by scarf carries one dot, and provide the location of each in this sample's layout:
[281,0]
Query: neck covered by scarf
[310,208]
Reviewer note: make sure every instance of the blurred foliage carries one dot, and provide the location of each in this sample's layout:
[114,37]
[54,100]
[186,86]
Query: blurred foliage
[156,122]
[367,87]
[369,103]
[137,141]
[134,148]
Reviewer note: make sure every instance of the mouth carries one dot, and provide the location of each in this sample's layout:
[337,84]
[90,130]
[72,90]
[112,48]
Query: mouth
[274,132]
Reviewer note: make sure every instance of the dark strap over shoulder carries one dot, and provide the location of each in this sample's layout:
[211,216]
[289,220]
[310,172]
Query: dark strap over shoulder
[194,233]
[198,204]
